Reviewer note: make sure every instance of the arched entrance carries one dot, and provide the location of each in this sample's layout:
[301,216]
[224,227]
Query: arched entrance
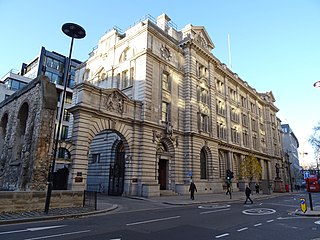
[106,163]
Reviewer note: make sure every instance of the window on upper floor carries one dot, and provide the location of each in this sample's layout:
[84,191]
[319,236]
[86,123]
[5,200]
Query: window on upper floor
[220,86]
[220,108]
[244,120]
[253,107]
[64,132]
[66,115]
[232,94]
[255,142]
[125,79]
[253,125]
[202,71]
[245,138]
[165,82]
[203,95]
[203,122]
[165,112]
[244,102]
[221,131]
[234,115]
[55,64]
[235,138]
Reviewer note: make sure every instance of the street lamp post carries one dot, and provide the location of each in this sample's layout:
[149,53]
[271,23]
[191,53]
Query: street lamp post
[74,31]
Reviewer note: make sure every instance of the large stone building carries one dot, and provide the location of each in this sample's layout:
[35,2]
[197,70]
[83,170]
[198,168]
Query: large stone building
[290,147]
[154,107]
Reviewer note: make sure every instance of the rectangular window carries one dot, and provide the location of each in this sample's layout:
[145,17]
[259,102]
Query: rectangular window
[245,139]
[125,79]
[131,75]
[202,71]
[64,132]
[165,82]
[221,131]
[95,157]
[203,122]
[244,102]
[165,112]
[118,80]
[220,108]
[234,115]
[66,115]
[234,135]
[245,120]
[254,125]
[232,94]
[204,95]
[254,142]
[220,87]
[68,99]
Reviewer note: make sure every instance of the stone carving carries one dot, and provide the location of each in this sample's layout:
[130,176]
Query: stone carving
[201,41]
[165,53]
[114,102]
[168,133]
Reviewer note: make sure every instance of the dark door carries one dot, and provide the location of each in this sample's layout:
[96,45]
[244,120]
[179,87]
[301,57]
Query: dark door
[117,173]
[163,174]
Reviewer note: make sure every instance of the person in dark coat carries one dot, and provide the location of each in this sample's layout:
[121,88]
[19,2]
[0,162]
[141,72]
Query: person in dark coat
[257,188]
[248,192]
[192,188]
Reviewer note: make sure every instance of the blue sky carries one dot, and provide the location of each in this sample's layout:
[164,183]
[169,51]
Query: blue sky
[275,45]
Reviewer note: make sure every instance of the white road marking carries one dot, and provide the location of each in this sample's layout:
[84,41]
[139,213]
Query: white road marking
[258,224]
[242,229]
[115,239]
[223,235]
[219,210]
[57,235]
[269,221]
[153,220]
[317,222]
[32,229]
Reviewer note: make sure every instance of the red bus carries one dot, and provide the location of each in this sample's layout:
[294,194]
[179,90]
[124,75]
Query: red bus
[313,183]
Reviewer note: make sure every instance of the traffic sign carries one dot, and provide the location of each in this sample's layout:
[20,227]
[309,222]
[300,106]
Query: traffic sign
[306,174]
[303,205]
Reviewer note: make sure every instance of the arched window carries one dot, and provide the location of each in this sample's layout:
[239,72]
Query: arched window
[3,131]
[203,164]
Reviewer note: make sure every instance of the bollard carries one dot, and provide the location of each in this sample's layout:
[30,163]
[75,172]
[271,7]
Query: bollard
[310,200]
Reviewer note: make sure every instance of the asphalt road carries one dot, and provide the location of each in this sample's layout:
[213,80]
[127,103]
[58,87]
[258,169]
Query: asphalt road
[140,220]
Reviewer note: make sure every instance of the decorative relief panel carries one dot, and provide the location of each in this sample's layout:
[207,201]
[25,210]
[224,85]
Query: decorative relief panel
[114,102]
[165,53]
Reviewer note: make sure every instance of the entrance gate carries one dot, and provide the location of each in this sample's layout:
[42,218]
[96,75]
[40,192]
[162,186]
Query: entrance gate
[117,172]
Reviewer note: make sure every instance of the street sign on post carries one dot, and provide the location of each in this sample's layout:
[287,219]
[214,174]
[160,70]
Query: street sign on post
[306,174]
[303,205]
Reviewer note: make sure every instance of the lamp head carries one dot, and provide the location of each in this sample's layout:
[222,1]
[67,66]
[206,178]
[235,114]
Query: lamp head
[73,30]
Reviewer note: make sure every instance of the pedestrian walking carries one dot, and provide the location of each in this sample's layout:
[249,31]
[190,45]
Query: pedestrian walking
[248,192]
[192,188]
[257,188]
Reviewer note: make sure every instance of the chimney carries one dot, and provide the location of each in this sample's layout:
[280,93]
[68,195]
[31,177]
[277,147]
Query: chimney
[162,22]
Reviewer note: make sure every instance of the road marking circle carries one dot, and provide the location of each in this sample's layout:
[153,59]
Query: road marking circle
[259,211]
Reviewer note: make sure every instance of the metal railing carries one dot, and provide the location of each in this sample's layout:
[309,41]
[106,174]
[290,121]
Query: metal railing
[90,199]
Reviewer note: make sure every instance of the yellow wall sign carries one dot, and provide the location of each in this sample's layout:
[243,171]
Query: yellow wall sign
[303,205]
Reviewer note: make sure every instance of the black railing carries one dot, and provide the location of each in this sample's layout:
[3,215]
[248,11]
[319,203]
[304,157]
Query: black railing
[90,199]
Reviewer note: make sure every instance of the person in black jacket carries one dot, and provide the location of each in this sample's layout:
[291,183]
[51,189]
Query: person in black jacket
[192,188]
[248,192]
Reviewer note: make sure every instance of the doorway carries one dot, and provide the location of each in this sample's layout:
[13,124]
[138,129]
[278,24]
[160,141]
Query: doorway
[163,172]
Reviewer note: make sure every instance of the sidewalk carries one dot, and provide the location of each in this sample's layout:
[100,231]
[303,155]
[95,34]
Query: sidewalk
[104,205]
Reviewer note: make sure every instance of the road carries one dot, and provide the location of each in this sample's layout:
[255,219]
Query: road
[265,219]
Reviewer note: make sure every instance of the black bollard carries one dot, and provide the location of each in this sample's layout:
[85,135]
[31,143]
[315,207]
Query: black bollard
[310,200]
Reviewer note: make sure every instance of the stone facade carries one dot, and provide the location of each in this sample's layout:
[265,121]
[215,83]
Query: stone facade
[155,104]
[26,132]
